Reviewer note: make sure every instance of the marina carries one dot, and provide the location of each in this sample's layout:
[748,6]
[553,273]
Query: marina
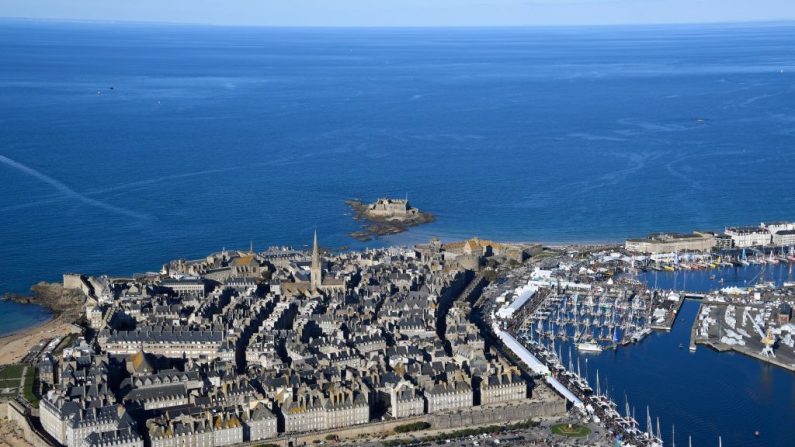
[689,396]
[592,322]
[628,338]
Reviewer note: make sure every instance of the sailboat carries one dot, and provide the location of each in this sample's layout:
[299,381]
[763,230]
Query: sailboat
[744,259]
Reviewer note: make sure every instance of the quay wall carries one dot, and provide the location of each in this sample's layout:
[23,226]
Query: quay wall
[694,329]
[499,414]
[16,412]
[472,417]
[722,347]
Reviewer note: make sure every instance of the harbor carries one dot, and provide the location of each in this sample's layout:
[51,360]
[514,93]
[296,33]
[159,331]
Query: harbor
[622,341]
[593,322]
[545,319]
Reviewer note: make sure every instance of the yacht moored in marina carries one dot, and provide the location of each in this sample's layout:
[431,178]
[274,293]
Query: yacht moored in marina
[589,347]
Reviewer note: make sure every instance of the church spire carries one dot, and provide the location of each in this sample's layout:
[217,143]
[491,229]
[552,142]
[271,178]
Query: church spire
[315,274]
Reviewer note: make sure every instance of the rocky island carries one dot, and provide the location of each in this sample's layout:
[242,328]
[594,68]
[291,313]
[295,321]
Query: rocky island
[386,216]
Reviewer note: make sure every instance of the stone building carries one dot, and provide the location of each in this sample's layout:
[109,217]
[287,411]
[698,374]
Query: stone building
[259,423]
[169,341]
[405,400]
[671,243]
[338,406]
[448,395]
[316,283]
[126,437]
[775,227]
[196,428]
[55,415]
[502,385]
[749,236]
[245,266]
[391,208]
[784,238]
[95,420]
[303,411]
[186,287]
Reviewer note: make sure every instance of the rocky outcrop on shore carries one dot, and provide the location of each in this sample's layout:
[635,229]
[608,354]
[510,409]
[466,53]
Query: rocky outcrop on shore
[375,225]
[52,296]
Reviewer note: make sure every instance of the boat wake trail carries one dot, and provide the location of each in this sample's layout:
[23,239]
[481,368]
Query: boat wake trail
[67,191]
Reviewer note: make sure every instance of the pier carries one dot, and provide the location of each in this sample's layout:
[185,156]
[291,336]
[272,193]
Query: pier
[693,295]
[576,390]
[536,366]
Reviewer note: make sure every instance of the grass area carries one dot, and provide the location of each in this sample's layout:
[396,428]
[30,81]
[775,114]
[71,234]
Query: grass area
[415,426]
[28,393]
[11,377]
[570,430]
[466,432]
[12,372]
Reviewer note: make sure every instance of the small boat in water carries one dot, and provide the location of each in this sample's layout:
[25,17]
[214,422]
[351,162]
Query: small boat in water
[589,347]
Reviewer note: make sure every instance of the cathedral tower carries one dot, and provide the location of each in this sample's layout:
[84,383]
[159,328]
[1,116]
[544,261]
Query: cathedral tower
[315,275]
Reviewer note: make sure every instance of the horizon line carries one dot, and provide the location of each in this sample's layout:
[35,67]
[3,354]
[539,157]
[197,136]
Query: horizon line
[771,22]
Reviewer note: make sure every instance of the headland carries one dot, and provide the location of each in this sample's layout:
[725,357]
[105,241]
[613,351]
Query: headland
[66,307]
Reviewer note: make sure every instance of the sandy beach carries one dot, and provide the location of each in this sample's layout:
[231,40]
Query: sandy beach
[11,434]
[13,347]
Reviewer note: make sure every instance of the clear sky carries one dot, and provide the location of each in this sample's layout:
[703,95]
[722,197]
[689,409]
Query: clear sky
[405,12]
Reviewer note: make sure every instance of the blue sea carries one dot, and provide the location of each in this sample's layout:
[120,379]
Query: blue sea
[124,146]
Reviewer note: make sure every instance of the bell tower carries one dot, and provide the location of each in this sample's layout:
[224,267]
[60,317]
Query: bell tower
[316,274]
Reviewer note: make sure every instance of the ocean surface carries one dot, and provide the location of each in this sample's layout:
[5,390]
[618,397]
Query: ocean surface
[125,146]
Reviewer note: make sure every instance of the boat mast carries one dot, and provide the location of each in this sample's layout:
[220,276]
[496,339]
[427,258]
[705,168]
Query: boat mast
[570,364]
[626,406]
[659,435]
[597,383]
